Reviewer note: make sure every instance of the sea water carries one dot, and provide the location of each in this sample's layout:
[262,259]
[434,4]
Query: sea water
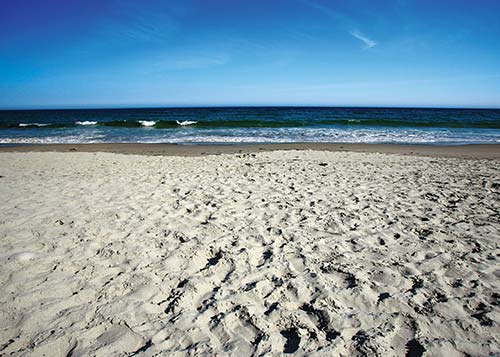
[251,125]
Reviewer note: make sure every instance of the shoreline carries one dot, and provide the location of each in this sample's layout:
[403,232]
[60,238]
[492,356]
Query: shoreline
[470,151]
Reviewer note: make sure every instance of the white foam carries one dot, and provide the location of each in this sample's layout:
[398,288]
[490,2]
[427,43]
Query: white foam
[147,122]
[22,125]
[213,139]
[70,139]
[86,122]
[261,135]
[186,122]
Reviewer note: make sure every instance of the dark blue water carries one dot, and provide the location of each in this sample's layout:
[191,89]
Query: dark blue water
[252,125]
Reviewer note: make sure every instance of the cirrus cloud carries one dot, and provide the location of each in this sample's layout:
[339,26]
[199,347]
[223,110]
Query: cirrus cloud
[369,43]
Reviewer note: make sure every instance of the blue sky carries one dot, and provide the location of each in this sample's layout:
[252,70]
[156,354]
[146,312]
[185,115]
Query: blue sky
[115,53]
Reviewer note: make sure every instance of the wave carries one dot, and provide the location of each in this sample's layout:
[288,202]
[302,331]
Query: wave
[24,125]
[327,135]
[70,139]
[147,122]
[86,122]
[417,123]
[121,123]
[255,123]
[159,124]
[38,125]
[186,122]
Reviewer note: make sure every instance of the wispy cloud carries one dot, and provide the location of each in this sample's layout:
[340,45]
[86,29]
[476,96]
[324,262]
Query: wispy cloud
[131,23]
[369,43]
[339,17]
[343,21]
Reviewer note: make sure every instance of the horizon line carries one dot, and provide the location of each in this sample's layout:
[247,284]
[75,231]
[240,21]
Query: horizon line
[198,106]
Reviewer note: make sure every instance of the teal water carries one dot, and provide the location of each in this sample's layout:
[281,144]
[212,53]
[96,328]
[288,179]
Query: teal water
[251,124]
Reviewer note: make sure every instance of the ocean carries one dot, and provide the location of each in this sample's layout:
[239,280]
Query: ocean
[252,125]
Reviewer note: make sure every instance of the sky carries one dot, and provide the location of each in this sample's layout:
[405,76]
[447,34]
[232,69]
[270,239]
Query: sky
[124,53]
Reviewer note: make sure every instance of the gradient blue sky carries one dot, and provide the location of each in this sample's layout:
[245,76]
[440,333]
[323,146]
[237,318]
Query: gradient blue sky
[100,53]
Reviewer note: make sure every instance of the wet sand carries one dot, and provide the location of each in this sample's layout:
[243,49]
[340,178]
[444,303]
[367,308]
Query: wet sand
[483,151]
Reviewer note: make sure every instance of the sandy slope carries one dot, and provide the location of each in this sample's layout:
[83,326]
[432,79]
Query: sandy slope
[332,253]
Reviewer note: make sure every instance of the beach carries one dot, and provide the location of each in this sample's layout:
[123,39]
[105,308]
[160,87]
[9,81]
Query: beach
[307,249]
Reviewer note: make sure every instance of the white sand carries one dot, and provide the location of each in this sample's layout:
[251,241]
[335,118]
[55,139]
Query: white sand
[327,253]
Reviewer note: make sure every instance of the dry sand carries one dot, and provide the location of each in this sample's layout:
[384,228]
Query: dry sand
[310,252]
